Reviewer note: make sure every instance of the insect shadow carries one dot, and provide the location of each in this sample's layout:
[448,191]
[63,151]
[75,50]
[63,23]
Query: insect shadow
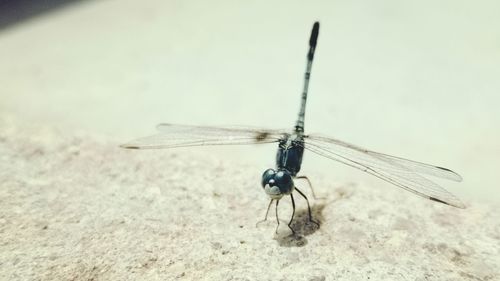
[302,226]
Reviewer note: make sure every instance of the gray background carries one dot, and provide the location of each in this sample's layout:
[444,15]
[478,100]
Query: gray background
[413,79]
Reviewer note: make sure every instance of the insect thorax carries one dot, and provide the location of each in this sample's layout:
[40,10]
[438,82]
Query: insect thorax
[289,155]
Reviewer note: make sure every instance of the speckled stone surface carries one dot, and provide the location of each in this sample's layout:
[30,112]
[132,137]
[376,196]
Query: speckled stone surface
[76,207]
[415,79]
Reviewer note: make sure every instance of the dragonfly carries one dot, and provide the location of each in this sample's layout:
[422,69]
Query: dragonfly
[279,181]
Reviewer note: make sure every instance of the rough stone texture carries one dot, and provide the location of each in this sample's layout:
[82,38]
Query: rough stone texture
[76,207]
[413,78]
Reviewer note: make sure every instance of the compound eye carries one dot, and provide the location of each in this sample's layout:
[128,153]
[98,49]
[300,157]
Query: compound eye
[283,179]
[268,176]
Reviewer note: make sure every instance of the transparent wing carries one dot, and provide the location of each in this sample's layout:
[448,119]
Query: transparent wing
[174,135]
[401,172]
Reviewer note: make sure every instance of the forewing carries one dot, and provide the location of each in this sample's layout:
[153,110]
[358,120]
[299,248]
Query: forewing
[398,171]
[174,135]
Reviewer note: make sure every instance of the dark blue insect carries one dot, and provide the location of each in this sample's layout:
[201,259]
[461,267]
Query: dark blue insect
[279,182]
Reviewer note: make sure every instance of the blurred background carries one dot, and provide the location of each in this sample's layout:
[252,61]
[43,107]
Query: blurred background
[417,79]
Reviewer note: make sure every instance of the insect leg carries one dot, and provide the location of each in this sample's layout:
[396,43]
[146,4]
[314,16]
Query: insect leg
[310,185]
[267,213]
[293,214]
[308,207]
[277,219]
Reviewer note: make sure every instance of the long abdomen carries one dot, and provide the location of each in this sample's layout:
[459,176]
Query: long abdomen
[299,125]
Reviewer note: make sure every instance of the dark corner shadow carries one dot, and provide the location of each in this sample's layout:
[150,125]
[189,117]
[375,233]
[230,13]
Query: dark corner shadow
[13,12]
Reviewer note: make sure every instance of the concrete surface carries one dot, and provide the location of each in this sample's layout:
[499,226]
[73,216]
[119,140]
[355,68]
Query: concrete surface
[76,207]
[419,80]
